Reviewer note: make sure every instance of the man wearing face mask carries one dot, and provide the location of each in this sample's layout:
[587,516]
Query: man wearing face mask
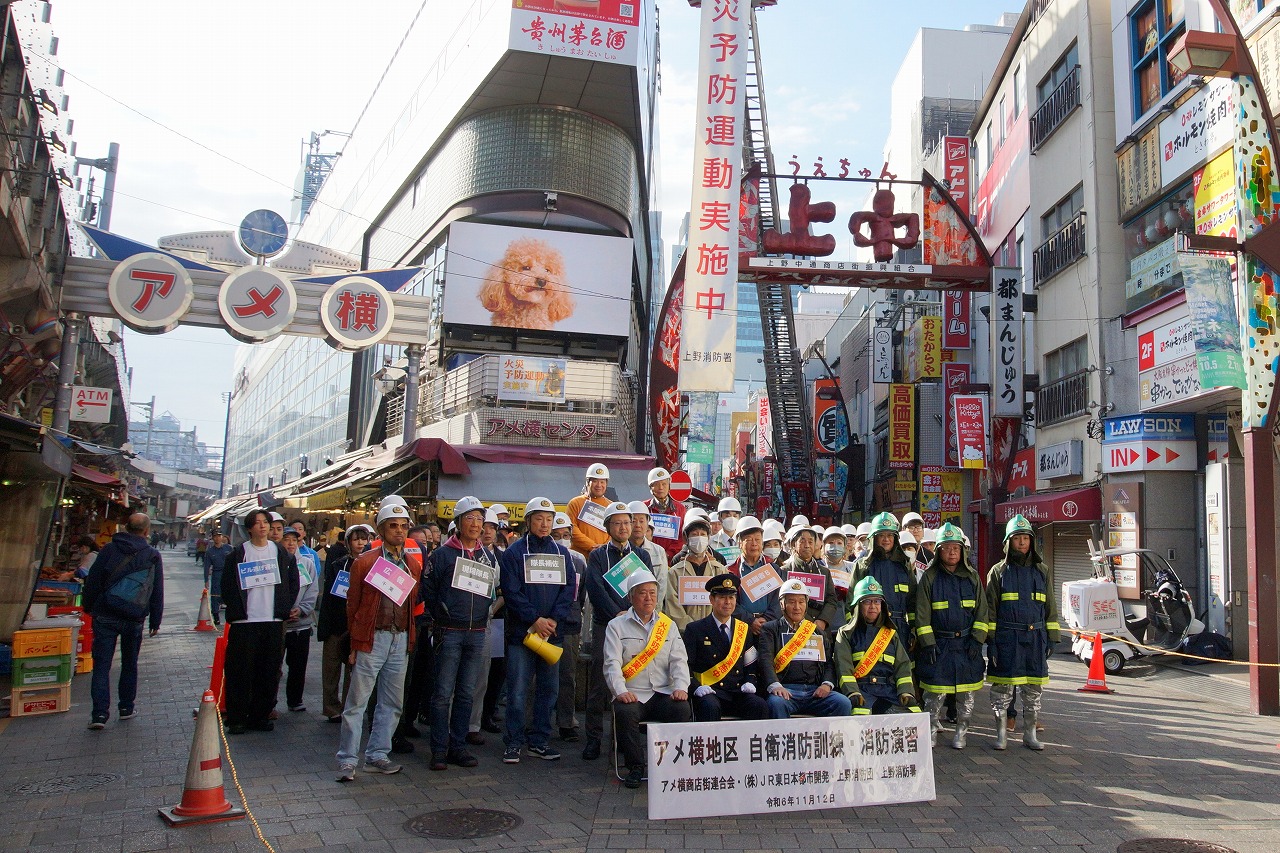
[862,542]
[729,511]
[806,566]
[889,565]
[774,533]
[757,599]
[667,514]
[606,582]
[687,598]
[912,550]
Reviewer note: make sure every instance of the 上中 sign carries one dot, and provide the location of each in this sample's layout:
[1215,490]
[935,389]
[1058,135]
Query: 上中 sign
[90,405]
[784,766]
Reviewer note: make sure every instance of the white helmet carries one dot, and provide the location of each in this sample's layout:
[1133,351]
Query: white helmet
[491,517]
[864,530]
[773,529]
[747,524]
[364,528]
[912,517]
[800,521]
[502,510]
[657,475]
[616,508]
[638,508]
[729,505]
[905,537]
[387,511]
[597,471]
[713,517]
[562,522]
[930,535]
[834,530]
[793,586]
[393,499]
[465,505]
[535,505]
[694,516]
[638,577]
[275,516]
[850,530]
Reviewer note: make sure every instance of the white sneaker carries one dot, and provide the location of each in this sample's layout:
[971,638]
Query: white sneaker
[347,773]
[384,766]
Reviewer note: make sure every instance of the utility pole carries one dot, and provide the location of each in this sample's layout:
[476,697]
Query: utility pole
[226,434]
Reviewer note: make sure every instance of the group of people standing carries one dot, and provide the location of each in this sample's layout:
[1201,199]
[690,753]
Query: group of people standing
[683,615]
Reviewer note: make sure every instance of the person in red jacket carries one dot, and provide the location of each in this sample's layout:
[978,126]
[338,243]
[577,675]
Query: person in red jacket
[380,601]
[666,513]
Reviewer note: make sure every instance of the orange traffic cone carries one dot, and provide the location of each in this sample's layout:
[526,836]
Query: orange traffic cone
[204,622]
[203,800]
[1097,680]
[218,671]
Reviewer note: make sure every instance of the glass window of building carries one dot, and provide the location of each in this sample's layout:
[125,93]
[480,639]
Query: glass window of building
[1019,83]
[1148,247]
[1063,67]
[1067,361]
[1154,27]
[1062,212]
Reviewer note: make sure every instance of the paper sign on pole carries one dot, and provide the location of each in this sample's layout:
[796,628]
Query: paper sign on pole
[784,766]
[709,340]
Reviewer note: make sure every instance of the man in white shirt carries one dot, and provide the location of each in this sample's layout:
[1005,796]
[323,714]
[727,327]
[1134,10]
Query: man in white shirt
[646,668]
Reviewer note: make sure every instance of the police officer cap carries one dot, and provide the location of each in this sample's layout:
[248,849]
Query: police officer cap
[793,586]
[723,584]
[465,505]
[657,475]
[535,505]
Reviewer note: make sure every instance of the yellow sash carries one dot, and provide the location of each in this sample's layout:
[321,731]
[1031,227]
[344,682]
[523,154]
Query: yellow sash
[657,637]
[873,653]
[717,673]
[797,642]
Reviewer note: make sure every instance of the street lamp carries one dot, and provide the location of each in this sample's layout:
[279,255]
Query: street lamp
[1227,55]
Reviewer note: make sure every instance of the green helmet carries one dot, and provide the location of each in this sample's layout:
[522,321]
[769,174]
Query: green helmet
[950,533]
[1017,524]
[867,588]
[884,523]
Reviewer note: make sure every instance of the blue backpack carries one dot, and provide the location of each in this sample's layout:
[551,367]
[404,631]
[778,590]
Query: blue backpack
[129,589]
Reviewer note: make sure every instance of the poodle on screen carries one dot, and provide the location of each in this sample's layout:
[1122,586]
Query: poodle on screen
[526,288]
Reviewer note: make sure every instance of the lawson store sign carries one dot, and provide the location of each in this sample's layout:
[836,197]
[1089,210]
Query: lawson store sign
[1164,442]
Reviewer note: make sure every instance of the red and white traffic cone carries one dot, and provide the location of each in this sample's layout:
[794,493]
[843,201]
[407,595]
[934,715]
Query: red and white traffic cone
[203,798]
[204,622]
[1097,680]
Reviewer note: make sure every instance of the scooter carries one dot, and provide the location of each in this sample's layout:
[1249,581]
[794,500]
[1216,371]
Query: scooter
[1159,622]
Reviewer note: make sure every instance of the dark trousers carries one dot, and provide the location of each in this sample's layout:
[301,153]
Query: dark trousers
[710,708]
[297,645]
[597,690]
[255,651]
[418,682]
[106,629]
[627,718]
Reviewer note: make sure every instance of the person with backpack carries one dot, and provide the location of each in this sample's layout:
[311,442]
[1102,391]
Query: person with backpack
[124,587]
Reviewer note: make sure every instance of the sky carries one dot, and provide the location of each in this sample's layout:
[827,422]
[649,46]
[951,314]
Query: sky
[211,102]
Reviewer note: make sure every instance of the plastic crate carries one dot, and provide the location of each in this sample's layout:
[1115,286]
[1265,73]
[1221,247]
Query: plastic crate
[29,701]
[6,659]
[41,642]
[84,663]
[42,672]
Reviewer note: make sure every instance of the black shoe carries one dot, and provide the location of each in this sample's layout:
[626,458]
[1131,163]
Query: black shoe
[490,726]
[237,729]
[401,746]
[439,761]
[262,726]
[634,778]
[476,739]
[462,758]
[569,735]
[409,730]
[591,751]
[336,718]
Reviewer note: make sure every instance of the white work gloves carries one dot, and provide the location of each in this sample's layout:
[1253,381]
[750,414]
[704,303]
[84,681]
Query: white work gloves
[748,688]
[704,690]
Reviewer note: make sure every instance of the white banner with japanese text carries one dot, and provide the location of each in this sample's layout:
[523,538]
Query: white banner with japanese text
[709,339]
[784,766]
[1006,343]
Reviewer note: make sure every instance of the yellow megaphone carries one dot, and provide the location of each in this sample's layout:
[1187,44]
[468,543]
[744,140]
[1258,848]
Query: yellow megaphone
[547,651]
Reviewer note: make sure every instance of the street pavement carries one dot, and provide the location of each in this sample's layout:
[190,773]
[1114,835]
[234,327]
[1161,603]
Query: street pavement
[1172,754]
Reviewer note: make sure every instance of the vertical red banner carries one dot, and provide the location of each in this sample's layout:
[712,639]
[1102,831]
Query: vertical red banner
[957,326]
[955,169]
[954,379]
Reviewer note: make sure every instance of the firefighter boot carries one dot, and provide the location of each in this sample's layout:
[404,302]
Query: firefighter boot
[1029,738]
[1002,736]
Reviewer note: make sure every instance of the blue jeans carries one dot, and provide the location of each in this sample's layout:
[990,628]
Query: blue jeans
[802,701]
[105,631]
[382,668]
[459,655]
[523,666]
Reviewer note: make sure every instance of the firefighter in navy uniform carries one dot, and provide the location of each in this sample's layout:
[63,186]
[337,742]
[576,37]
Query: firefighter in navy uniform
[871,660]
[1024,611]
[951,626]
[722,651]
[892,569]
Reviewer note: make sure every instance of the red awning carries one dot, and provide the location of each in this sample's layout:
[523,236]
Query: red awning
[96,477]
[1074,505]
[436,450]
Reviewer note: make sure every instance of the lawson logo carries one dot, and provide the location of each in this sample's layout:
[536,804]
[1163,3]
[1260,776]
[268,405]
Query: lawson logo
[1142,427]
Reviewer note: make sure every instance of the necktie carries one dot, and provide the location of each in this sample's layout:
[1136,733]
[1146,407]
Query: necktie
[724,629]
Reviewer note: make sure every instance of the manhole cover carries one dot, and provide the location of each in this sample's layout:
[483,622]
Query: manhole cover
[65,784]
[1170,845]
[463,823]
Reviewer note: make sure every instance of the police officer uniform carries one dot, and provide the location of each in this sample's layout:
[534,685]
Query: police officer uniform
[709,643]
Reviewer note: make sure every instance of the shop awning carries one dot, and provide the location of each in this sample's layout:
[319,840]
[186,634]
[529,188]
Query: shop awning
[97,478]
[1081,505]
[436,450]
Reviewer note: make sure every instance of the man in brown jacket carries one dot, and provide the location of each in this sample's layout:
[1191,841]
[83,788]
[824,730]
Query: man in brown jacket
[380,601]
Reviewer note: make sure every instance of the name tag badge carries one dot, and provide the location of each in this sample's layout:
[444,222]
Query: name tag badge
[693,591]
[814,650]
[390,580]
[758,583]
[665,526]
[617,576]
[341,583]
[544,568]
[475,578]
[840,578]
[259,573]
[592,514]
[814,584]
